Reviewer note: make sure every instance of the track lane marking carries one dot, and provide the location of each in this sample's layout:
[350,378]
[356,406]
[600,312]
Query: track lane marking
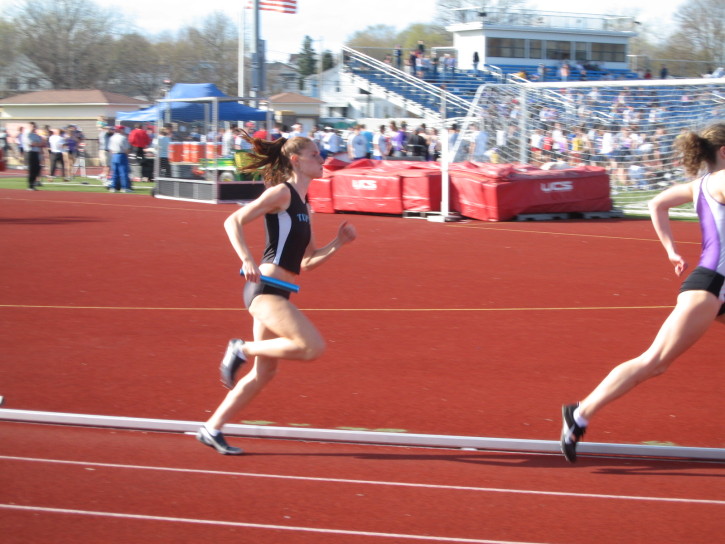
[579,234]
[367,482]
[255,525]
[173,309]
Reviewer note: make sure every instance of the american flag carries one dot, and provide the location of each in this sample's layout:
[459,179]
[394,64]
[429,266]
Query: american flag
[281,6]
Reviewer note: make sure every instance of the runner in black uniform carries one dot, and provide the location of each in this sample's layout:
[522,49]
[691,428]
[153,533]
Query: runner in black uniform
[281,331]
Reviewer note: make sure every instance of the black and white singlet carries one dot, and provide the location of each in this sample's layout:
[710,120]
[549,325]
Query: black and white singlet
[288,234]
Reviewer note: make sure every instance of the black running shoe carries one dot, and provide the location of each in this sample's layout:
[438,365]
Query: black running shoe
[571,433]
[232,361]
[217,442]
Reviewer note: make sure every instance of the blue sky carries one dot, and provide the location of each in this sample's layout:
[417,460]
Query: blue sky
[332,22]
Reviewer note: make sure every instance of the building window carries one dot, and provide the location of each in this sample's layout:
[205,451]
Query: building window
[506,47]
[608,52]
[535,49]
[580,51]
[556,50]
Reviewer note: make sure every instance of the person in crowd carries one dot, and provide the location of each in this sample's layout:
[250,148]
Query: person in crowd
[479,144]
[564,72]
[536,144]
[56,144]
[297,130]
[357,144]
[119,148]
[411,62]
[46,132]
[398,56]
[20,147]
[73,140]
[399,139]
[434,144]
[4,141]
[104,157]
[702,295]
[368,138]
[33,143]
[331,143]
[280,329]
[417,144]
[381,144]
[162,149]
[139,140]
[228,140]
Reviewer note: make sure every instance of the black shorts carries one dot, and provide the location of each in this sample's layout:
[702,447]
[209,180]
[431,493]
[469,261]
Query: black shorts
[252,290]
[704,279]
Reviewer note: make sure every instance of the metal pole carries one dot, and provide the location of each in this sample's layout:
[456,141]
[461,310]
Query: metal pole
[444,154]
[256,72]
[240,51]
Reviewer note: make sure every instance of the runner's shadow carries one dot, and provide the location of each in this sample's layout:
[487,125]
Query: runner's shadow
[623,466]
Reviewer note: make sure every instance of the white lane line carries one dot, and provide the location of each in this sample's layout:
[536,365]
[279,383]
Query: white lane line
[369,482]
[255,525]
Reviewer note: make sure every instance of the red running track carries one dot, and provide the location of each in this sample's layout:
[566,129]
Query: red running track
[122,305]
[89,485]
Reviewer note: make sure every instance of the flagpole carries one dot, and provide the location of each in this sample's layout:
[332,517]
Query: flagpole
[240,51]
[256,71]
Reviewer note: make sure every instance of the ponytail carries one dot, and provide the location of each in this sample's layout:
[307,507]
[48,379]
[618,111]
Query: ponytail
[272,157]
[697,149]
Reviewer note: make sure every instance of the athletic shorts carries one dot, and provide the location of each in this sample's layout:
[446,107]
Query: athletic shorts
[252,290]
[704,279]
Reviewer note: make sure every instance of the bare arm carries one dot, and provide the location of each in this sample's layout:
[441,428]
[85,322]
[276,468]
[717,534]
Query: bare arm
[659,209]
[314,257]
[271,201]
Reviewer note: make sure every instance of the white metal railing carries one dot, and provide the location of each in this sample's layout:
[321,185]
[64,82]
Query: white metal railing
[416,85]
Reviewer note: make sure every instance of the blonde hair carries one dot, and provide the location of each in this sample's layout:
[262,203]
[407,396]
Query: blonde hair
[697,149]
[273,157]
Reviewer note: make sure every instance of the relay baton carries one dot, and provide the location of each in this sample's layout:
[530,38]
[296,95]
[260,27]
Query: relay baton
[277,283]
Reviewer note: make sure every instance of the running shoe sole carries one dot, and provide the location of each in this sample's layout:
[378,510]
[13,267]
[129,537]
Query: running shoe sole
[571,433]
[231,362]
[217,442]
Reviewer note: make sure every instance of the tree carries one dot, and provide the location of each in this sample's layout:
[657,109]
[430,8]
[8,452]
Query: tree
[328,60]
[702,28]
[379,36]
[69,40]
[8,42]
[136,70]
[430,34]
[306,61]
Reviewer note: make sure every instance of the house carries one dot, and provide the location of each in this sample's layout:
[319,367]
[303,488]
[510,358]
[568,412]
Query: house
[63,107]
[343,99]
[291,108]
[21,74]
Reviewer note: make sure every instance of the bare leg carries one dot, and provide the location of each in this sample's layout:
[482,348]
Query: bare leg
[296,337]
[291,336]
[693,314]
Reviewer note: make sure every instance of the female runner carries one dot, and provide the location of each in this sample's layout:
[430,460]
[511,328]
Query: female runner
[280,330]
[702,295]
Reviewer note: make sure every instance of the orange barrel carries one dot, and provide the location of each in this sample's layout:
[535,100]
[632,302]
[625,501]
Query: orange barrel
[213,150]
[193,151]
[176,152]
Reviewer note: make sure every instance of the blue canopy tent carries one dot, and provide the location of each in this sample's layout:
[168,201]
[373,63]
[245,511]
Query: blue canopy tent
[200,172]
[189,102]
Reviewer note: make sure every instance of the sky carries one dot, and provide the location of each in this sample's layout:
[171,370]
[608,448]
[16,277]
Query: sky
[331,22]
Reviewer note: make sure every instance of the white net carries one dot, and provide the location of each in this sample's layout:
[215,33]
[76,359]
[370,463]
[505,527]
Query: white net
[628,127]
